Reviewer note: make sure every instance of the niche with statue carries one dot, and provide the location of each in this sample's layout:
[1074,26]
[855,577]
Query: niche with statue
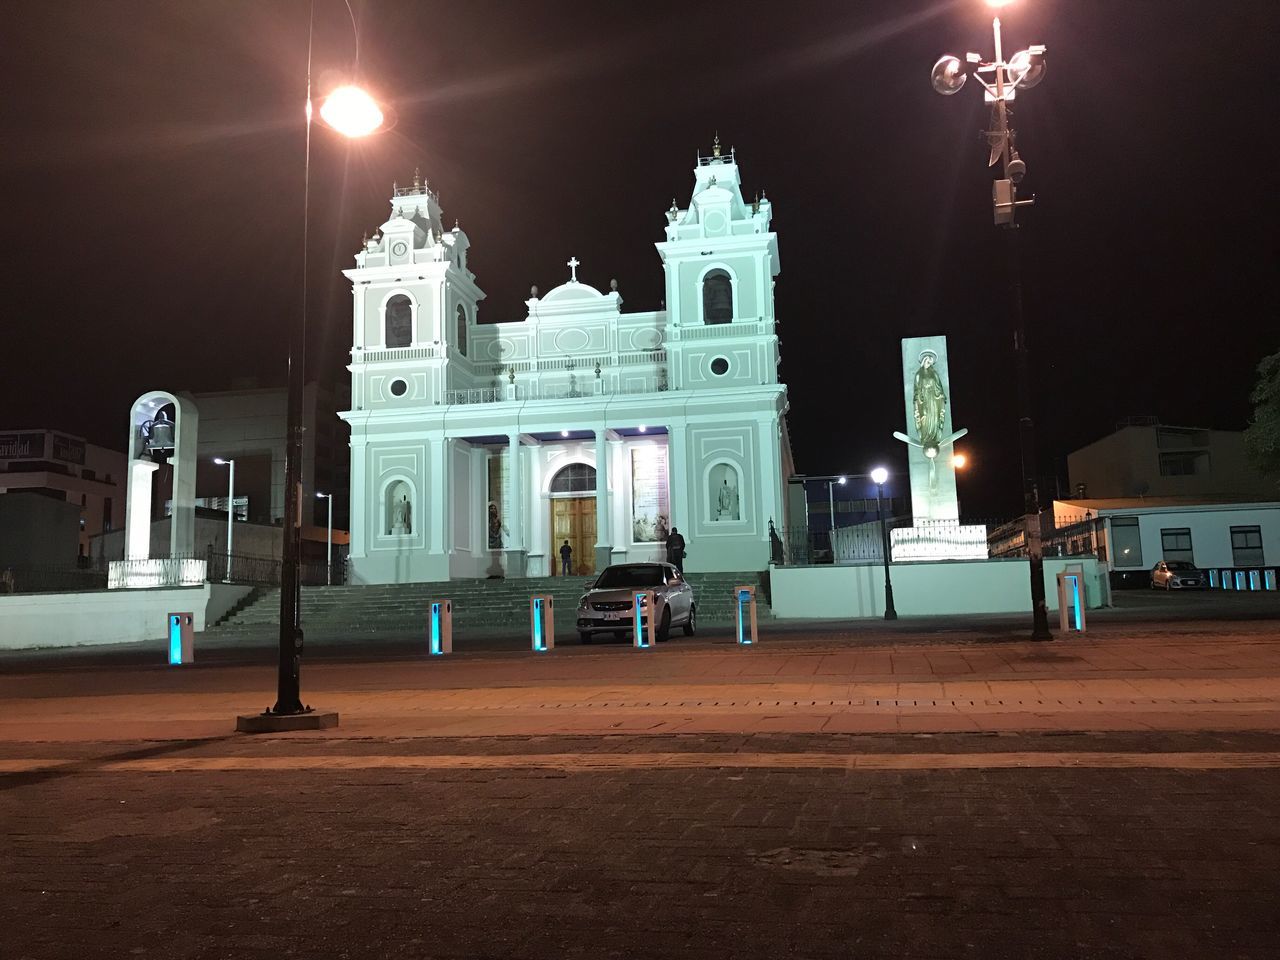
[724,488]
[398,511]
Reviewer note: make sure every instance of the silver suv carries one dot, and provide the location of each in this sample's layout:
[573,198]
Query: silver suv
[607,605]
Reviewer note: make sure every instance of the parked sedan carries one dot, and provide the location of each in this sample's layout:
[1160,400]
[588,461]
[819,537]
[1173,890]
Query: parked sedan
[606,607]
[1176,575]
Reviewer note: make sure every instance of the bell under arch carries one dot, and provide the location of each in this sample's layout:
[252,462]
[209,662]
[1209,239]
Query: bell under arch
[717,297]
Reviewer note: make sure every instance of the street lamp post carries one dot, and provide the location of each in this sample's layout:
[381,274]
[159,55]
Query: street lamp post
[878,476]
[350,111]
[231,508]
[831,505]
[1022,71]
[328,557]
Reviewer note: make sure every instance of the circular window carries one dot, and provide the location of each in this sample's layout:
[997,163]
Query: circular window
[399,249]
[719,366]
[399,388]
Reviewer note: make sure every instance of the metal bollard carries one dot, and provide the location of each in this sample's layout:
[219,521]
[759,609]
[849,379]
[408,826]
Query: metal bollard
[1269,580]
[181,639]
[440,637]
[1071,596]
[1239,579]
[542,623]
[1255,580]
[745,597]
[643,623]
[1213,578]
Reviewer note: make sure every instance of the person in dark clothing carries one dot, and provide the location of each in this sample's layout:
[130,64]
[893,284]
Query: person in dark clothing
[676,549]
[566,559]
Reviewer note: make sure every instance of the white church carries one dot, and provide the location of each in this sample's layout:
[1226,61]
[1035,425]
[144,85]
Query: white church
[478,450]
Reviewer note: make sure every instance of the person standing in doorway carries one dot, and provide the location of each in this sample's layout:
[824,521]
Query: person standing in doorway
[566,559]
[675,549]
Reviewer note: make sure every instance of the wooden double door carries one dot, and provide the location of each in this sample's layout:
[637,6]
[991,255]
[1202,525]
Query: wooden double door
[574,519]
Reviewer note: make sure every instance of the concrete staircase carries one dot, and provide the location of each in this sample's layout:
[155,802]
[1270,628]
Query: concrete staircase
[401,609]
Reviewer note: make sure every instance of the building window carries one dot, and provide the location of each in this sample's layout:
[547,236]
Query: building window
[717,297]
[719,366]
[399,388]
[1176,544]
[1246,547]
[1187,464]
[399,321]
[462,330]
[1126,542]
[575,478]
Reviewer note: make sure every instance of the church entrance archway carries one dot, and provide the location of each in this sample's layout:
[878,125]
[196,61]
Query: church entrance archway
[573,518]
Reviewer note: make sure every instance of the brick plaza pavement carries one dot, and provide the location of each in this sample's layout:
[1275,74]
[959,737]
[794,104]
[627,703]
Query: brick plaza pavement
[1110,797]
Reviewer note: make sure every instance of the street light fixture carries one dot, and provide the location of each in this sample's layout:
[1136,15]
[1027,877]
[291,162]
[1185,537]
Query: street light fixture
[231,508]
[350,112]
[328,556]
[879,476]
[1001,80]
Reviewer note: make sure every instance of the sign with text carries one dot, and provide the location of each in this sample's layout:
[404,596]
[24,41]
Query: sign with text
[22,446]
[650,507]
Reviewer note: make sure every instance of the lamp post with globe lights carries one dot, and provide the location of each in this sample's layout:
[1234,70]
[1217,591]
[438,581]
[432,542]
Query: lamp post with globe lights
[880,476]
[231,507]
[1001,81]
[353,113]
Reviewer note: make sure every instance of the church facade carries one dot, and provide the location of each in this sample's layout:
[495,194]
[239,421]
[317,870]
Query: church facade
[477,450]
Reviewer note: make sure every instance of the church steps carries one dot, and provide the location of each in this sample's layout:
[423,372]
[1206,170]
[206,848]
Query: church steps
[402,608]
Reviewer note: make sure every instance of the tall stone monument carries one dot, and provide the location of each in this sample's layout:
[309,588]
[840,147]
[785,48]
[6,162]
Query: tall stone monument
[936,532]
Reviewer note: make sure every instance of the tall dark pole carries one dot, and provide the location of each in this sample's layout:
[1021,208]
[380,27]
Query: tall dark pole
[288,684]
[1027,441]
[890,613]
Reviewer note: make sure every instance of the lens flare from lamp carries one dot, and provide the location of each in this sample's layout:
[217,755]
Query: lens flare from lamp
[352,112]
[998,3]
[959,460]
[948,75]
[879,476]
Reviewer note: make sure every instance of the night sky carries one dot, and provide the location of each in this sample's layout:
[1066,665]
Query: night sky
[152,175]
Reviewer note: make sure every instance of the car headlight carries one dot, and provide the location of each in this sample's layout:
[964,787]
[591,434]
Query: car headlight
[582,602]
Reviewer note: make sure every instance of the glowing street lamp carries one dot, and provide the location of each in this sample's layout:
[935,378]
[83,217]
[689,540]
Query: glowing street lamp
[328,561]
[880,476]
[231,508]
[1001,80]
[959,460]
[351,112]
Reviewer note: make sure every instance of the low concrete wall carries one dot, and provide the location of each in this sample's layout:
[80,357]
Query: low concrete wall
[922,588]
[113,616]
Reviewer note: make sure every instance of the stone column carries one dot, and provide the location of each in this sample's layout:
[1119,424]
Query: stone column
[682,510]
[513,512]
[604,532]
[437,481]
[359,506]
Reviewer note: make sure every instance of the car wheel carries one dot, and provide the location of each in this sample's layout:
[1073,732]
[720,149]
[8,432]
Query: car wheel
[664,625]
[691,627]
[584,636]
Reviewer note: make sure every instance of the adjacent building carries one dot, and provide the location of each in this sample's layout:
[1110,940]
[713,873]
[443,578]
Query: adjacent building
[65,467]
[1144,458]
[480,450]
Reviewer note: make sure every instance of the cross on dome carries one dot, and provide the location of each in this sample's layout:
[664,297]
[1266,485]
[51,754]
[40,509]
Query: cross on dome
[573,265]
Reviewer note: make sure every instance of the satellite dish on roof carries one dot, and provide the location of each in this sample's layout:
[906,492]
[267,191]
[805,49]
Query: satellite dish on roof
[948,75]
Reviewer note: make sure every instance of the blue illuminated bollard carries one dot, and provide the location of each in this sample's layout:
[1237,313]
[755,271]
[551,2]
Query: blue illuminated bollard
[745,597]
[542,623]
[1269,580]
[440,635]
[643,626]
[1239,579]
[1226,579]
[1071,599]
[1255,581]
[181,639]
[1213,578]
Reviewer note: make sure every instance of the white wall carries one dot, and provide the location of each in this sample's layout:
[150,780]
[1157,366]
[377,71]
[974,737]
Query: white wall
[921,588]
[1210,532]
[113,616]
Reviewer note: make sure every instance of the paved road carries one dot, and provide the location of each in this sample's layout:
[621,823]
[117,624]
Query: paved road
[821,795]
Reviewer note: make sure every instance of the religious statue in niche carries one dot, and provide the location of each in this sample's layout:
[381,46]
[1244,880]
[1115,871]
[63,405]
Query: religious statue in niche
[929,403]
[495,527]
[724,493]
[402,517]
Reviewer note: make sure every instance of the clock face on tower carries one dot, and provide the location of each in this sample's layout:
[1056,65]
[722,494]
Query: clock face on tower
[399,248]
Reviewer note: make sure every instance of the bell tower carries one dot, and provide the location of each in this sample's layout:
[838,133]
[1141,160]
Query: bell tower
[414,301]
[720,257]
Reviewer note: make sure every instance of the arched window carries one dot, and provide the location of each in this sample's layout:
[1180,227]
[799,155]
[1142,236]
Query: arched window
[717,297]
[575,478]
[399,321]
[462,330]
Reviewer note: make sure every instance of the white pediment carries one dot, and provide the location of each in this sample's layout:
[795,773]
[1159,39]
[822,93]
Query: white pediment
[574,290]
